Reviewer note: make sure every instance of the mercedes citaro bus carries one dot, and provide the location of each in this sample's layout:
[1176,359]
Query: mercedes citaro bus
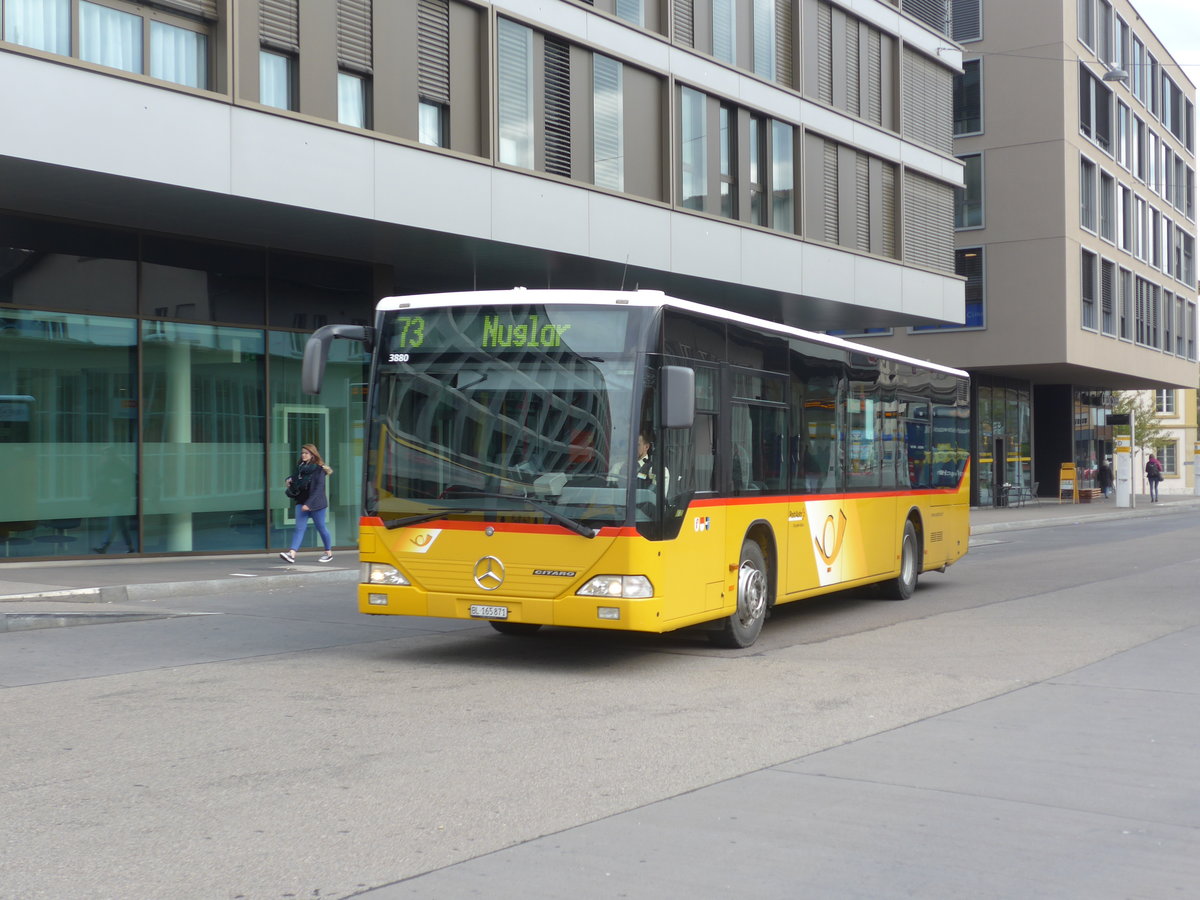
[625,460]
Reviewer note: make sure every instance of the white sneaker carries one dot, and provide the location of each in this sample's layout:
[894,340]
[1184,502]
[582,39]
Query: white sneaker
[327,557]
[288,556]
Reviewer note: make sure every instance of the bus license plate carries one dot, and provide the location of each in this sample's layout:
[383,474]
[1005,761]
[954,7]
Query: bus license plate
[489,612]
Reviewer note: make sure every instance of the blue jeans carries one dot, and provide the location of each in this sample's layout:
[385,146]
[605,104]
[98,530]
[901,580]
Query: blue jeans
[318,519]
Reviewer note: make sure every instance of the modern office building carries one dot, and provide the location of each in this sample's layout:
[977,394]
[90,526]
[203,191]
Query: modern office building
[1076,232]
[189,187]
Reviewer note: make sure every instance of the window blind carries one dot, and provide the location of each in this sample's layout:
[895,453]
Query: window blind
[928,105]
[825,53]
[279,24]
[784,43]
[433,50]
[928,222]
[354,34]
[684,16]
[831,192]
[204,9]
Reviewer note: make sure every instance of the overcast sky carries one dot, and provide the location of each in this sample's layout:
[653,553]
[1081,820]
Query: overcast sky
[1177,24]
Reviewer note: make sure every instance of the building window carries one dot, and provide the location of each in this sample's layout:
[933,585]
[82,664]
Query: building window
[728,174]
[968,262]
[162,46]
[1087,290]
[1180,328]
[1108,290]
[764,38]
[1125,218]
[276,80]
[1108,202]
[632,11]
[1087,194]
[758,170]
[433,72]
[694,148]
[1167,456]
[1124,305]
[724,30]
[1086,22]
[968,99]
[431,124]
[609,135]
[783,178]
[1095,109]
[968,200]
[40,24]
[515,84]
[352,99]
[110,37]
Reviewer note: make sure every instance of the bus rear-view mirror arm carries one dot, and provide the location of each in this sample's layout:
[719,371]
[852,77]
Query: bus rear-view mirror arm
[316,351]
[679,396]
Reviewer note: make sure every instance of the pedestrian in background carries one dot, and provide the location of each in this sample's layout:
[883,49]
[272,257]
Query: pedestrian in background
[306,486]
[1154,476]
[1104,477]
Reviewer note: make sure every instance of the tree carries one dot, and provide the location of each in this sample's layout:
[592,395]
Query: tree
[1148,434]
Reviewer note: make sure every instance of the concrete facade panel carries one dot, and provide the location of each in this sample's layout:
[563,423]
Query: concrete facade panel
[73,117]
[538,213]
[705,248]
[633,233]
[414,187]
[284,161]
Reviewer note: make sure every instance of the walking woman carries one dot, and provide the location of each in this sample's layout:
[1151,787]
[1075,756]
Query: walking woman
[307,487]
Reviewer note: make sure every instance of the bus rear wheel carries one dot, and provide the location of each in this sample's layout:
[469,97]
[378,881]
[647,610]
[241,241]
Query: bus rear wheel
[514,627]
[742,628]
[902,586]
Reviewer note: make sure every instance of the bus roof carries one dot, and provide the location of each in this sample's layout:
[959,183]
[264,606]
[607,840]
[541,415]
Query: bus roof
[645,299]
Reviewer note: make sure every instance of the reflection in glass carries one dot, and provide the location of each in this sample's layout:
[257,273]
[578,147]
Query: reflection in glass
[332,421]
[68,423]
[203,437]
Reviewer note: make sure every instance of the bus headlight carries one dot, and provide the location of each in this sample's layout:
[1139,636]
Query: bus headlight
[381,573]
[629,587]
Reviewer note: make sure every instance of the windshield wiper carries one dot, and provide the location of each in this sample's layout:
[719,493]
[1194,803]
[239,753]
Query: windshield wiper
[550,512]
[391,524]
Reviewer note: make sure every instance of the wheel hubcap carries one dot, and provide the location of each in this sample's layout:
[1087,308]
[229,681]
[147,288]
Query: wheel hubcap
[752,593]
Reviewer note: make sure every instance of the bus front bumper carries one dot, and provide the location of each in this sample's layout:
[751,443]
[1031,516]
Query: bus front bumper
[571,611]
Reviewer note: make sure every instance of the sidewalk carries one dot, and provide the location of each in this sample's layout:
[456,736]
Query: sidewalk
[48,593]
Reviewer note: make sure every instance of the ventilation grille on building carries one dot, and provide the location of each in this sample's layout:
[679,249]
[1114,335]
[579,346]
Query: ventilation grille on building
[932,12]
[558,108]
[966,20]
[831,192]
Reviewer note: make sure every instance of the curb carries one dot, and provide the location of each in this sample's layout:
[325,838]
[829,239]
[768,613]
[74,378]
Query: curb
[1087,519]
[125,593]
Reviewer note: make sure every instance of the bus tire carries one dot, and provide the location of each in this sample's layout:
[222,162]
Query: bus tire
[902,586]
[514,627]
[742,628]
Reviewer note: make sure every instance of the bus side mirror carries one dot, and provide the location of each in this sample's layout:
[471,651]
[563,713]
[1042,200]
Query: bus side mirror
[679,396]
[316,351]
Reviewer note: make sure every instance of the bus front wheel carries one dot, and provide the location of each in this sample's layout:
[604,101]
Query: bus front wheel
[753,592]
[514,627]
[902,586]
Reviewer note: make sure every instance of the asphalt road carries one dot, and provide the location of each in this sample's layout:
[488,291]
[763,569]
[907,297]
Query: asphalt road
[272,744]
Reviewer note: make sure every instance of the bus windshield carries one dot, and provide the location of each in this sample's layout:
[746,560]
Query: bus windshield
[522,413]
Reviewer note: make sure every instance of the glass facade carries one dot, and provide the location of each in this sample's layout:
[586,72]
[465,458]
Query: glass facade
[1003,438]
[144,405]
[1092,437]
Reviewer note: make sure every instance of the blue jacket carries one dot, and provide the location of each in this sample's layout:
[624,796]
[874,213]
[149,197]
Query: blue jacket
[312,477]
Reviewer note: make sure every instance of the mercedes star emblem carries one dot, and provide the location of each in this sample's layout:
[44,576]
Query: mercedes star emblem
[489,573]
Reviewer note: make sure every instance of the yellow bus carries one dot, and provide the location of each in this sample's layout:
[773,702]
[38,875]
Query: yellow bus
[630,461]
